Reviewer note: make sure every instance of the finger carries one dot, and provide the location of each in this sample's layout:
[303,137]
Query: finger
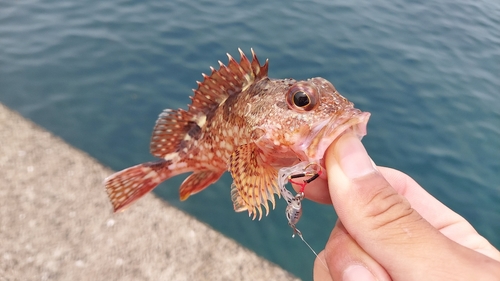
[317,190]
[346,260]
[320,271]
[449,223]
[421,200]
[382,221]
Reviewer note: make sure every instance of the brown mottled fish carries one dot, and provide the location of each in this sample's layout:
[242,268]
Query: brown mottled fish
[242,121]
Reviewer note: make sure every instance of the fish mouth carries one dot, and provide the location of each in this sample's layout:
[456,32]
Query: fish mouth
[324,133]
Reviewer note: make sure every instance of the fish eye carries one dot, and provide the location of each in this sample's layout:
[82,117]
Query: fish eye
[302,97]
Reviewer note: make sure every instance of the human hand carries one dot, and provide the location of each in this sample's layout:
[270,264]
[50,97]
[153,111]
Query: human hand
[390,228]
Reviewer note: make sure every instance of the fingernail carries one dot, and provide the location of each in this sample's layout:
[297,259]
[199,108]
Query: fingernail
[357,273]
[353,158]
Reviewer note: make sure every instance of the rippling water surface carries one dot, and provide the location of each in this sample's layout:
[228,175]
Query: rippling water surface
[98,73]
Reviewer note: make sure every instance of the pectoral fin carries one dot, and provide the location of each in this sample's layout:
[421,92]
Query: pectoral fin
[254,180]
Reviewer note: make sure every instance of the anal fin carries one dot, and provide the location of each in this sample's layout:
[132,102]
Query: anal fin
[198,181]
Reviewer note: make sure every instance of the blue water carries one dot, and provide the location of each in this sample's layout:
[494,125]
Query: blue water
[98,73]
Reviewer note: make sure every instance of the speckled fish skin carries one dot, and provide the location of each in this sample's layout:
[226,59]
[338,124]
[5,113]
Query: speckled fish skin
[242,121]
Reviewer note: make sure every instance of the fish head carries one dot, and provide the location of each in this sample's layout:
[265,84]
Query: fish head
[308,116]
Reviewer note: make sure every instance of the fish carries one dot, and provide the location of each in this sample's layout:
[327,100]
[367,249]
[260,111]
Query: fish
[244,122]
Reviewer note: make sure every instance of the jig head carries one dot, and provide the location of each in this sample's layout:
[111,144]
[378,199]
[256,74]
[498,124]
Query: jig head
[294,203]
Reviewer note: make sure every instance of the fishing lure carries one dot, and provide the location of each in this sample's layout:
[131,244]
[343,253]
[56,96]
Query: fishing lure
[294,203]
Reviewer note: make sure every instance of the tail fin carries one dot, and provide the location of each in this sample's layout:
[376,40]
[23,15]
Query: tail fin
[127,186]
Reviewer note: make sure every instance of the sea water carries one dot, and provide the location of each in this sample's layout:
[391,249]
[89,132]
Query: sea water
[98,73]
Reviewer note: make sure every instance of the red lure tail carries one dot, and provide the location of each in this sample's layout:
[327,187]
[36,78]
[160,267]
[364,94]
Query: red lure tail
[127,186]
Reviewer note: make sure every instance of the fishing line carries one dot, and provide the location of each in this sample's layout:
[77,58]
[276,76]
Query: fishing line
[310,248]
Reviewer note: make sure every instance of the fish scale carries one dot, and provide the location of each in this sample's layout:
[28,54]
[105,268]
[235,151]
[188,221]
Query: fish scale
[244,122]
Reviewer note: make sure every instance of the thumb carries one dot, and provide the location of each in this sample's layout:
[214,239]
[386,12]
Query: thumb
[380,220]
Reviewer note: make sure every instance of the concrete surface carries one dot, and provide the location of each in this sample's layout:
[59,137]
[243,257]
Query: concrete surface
[56,222]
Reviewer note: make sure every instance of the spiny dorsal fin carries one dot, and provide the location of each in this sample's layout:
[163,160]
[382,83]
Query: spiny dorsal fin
[175,128]
[226,81]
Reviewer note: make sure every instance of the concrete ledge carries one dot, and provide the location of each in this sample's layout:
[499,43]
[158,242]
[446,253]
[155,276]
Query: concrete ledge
[56,222]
